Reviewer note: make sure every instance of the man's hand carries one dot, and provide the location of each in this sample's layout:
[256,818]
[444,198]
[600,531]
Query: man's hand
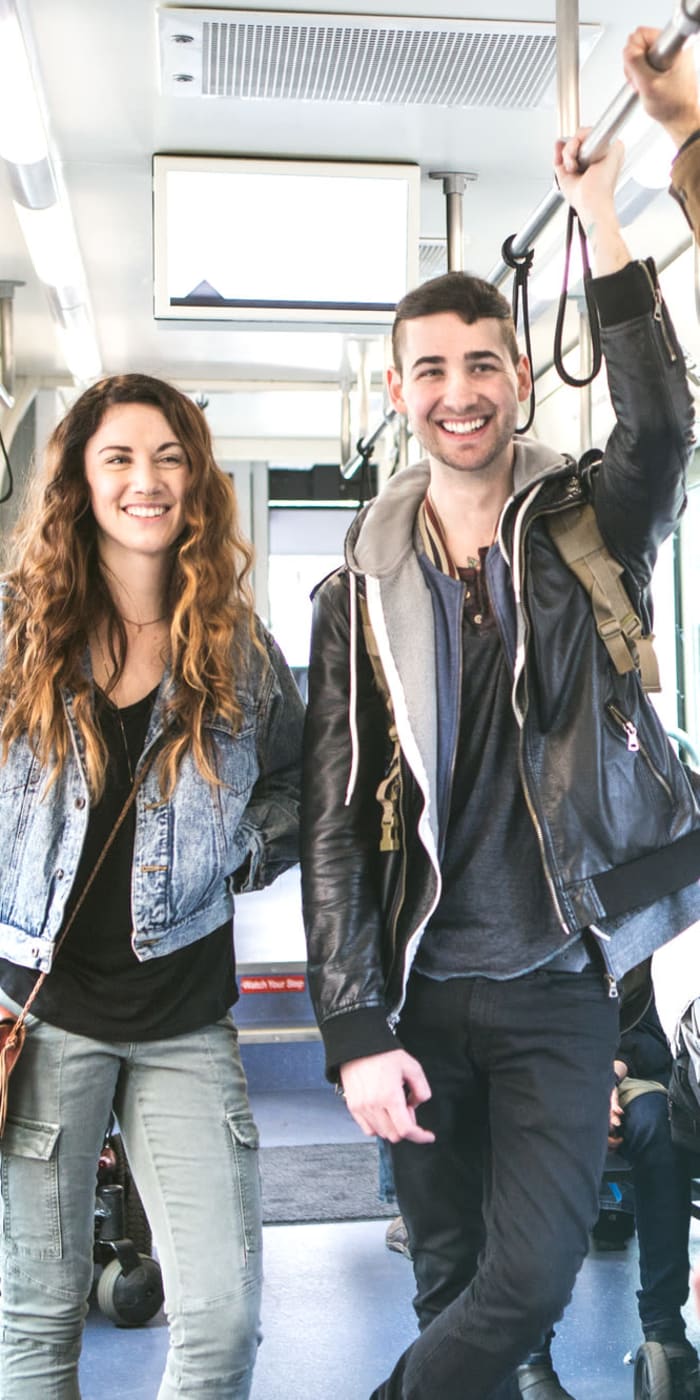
[671,97]
[383,1093]
[591,192]
[615,1125]
[616,1112]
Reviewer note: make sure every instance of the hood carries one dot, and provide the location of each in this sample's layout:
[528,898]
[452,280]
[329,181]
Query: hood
[381,536]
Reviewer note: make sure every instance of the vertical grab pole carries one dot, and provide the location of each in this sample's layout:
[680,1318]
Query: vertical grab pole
[568,67]
[585,396]
[454,183]
[568,113]
[345,377]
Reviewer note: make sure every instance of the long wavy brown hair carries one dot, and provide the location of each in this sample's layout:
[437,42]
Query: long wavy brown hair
[56,593]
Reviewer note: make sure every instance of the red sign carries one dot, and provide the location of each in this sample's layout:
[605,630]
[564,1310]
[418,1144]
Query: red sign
[296,983]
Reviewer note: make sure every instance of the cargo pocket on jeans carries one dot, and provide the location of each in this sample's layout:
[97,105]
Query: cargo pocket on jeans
[29,1179]
[245,1141]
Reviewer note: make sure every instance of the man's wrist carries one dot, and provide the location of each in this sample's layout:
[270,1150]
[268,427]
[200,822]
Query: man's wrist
[682,130]
[620,1071]
[689,140]
[608,250]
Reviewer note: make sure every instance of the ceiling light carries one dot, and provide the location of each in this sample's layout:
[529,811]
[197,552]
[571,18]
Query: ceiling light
[41,203]
[22,134]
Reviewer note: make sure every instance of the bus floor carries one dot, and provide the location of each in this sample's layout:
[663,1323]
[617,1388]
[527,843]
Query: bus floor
[337,1304]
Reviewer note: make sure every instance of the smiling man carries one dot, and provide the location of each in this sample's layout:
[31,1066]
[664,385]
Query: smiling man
[494,826]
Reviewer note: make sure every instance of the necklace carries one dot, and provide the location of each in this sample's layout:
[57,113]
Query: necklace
[139,625]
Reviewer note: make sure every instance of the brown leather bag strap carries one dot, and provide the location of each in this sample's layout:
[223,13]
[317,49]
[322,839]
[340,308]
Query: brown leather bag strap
[86,887]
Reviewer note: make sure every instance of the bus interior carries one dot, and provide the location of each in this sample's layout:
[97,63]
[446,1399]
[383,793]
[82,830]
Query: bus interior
[234,199]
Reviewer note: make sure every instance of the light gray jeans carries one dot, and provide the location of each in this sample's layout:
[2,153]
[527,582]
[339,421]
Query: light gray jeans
[183,1112]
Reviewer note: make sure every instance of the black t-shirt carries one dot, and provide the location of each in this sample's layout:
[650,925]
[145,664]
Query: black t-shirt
[97,986]
[495,917]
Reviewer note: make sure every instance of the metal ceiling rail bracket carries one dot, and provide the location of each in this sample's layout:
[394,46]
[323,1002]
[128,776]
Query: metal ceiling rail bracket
[685,22]
[454,183]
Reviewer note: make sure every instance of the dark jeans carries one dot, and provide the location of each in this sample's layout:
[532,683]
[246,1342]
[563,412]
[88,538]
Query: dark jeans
[521,1073]
[662,1175]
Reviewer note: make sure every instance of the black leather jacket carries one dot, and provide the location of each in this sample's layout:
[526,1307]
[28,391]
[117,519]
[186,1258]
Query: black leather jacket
[618,825]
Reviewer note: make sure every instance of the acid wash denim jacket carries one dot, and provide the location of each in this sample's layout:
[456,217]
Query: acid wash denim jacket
[190,851]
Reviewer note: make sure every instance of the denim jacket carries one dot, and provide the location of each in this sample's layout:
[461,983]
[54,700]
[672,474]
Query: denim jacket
[190,851]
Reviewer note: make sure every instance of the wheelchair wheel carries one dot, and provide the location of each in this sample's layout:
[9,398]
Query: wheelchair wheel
[131,1299]
[652,1375]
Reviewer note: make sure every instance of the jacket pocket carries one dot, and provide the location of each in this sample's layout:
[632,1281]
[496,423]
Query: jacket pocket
[244,1146]
[628,732]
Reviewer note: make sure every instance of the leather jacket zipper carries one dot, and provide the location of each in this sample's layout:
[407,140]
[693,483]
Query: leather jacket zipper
[398,903]
[458,710]
[394,1017]
[521,765]
[658,315]
[635,745]
[401,890]
[602,939]
[540,839]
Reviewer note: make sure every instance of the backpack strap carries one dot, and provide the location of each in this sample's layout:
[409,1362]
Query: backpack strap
[576,535]
[389,790]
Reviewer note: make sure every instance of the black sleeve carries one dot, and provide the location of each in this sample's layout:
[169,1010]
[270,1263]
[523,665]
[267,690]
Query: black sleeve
[639,489]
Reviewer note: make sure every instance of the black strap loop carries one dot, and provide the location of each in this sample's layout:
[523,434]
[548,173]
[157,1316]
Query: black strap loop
[365,450]
[590,307]
[521,264]
[8,469]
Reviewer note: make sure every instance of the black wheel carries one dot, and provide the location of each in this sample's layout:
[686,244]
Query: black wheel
[652,1374]
[129,1300]
[136,1226]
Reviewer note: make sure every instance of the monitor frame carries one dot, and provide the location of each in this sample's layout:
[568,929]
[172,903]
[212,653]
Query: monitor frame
[255,309]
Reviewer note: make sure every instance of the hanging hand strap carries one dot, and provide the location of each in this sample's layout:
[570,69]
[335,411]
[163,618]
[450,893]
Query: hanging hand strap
[365,450]
[590,307]
[521,264]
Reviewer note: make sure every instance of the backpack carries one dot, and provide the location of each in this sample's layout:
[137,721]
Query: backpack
[577,537]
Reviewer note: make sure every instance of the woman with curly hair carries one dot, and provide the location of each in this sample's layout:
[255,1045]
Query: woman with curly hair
[132,665]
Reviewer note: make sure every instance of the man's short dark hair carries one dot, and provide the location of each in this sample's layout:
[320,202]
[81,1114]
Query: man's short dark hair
[470,298]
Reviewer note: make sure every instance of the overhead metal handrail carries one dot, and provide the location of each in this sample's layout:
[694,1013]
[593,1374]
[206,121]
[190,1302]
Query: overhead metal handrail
[686,21]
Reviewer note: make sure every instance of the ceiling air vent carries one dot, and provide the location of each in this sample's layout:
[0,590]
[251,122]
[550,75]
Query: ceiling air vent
[432,258]
[358,58]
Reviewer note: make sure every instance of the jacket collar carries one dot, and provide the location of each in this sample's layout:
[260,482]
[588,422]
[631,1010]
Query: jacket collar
[382,535]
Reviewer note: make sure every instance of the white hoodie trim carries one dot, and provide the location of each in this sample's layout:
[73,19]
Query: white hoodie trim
[516,576]
[352,700]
